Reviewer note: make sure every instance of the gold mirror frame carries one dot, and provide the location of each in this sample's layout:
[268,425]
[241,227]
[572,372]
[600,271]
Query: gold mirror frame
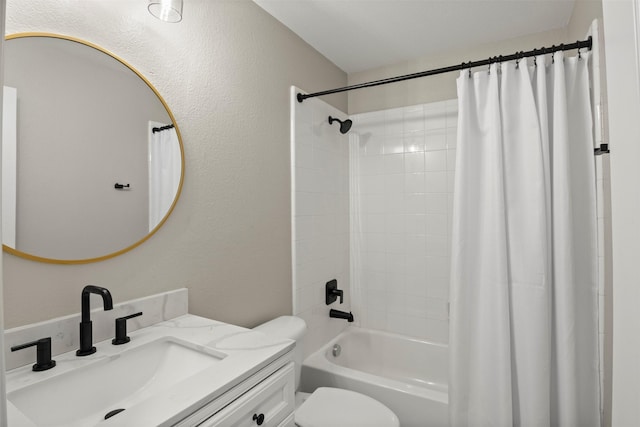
[173,121]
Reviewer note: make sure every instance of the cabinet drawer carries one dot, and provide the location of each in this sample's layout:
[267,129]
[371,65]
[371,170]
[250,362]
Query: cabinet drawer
[269,402]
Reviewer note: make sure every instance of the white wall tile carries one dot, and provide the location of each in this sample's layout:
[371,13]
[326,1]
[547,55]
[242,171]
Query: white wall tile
[394,144]
[405,262]
[434,118]
[414,162]
[414,142]
[437,224]
[451,159]
[416,244]
[416,224]
[435,160]
[415,203]
[417,285]
[435,203]
[435,182]
[436,246]
[436,140]
[414,124]
[393,164]
[452,138]
[394,183]
[394,243]
[394,205]
[374,145]
[415,182]
[394,122]
[394,223]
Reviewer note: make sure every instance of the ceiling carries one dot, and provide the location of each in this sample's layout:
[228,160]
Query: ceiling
[359,35]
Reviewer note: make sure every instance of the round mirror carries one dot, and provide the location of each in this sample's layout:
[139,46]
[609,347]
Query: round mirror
[92,158]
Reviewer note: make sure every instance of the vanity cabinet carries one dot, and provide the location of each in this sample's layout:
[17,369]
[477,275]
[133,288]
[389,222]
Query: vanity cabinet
[266,399]
[268,404]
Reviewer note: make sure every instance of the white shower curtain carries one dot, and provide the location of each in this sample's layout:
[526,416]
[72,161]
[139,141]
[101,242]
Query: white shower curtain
[523,323]
[165,168]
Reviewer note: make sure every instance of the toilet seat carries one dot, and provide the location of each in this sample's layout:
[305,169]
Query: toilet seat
[334,407]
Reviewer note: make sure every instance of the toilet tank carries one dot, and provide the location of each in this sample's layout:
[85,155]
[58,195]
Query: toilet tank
[290,327]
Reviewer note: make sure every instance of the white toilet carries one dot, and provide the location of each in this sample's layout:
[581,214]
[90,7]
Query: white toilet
[327,406]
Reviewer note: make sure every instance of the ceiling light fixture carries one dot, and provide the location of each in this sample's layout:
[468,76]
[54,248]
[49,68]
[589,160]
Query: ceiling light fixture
[166,10]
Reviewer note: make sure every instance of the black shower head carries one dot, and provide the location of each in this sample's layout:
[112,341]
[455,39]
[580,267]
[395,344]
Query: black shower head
[344,125]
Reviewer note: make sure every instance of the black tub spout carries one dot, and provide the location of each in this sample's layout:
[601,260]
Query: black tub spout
[341,315]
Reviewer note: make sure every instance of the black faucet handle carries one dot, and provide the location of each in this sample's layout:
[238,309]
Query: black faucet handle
[121,329]
[43,353]
[332,292]
[340,294]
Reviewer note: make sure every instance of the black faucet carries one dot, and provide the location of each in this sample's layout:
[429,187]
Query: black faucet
[86,330]
[341,315]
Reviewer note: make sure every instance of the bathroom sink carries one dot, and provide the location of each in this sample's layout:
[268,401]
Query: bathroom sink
[84,396]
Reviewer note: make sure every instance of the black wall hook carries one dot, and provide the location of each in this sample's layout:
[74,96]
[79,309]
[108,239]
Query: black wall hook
[121,186]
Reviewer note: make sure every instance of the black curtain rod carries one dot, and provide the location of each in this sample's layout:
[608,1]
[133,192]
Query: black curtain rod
[518,55]
[160,129]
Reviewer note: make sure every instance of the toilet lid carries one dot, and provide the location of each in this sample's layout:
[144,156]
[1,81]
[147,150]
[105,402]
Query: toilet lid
[335,407]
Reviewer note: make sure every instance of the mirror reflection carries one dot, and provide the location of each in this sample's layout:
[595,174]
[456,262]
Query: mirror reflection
[92,160]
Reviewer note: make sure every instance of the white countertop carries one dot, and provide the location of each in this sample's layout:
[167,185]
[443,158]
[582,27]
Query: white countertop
[247,352]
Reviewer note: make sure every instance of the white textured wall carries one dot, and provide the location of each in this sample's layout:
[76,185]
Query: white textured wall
[225,71]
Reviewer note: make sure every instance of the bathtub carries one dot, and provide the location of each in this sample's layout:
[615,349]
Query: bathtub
[408,375]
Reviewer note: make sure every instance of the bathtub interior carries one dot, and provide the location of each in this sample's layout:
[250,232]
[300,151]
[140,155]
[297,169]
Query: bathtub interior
[407,375]
[412,361]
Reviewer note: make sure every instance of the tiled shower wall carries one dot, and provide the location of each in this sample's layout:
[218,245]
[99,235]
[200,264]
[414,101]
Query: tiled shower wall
[403,189]
[320,217]
[403,164]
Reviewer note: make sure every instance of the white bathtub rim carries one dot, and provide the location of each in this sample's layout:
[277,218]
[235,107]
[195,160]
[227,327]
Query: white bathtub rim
[318,360]
[357,329]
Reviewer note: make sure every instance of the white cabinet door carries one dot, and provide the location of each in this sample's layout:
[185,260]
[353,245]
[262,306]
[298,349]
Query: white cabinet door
[268,404]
